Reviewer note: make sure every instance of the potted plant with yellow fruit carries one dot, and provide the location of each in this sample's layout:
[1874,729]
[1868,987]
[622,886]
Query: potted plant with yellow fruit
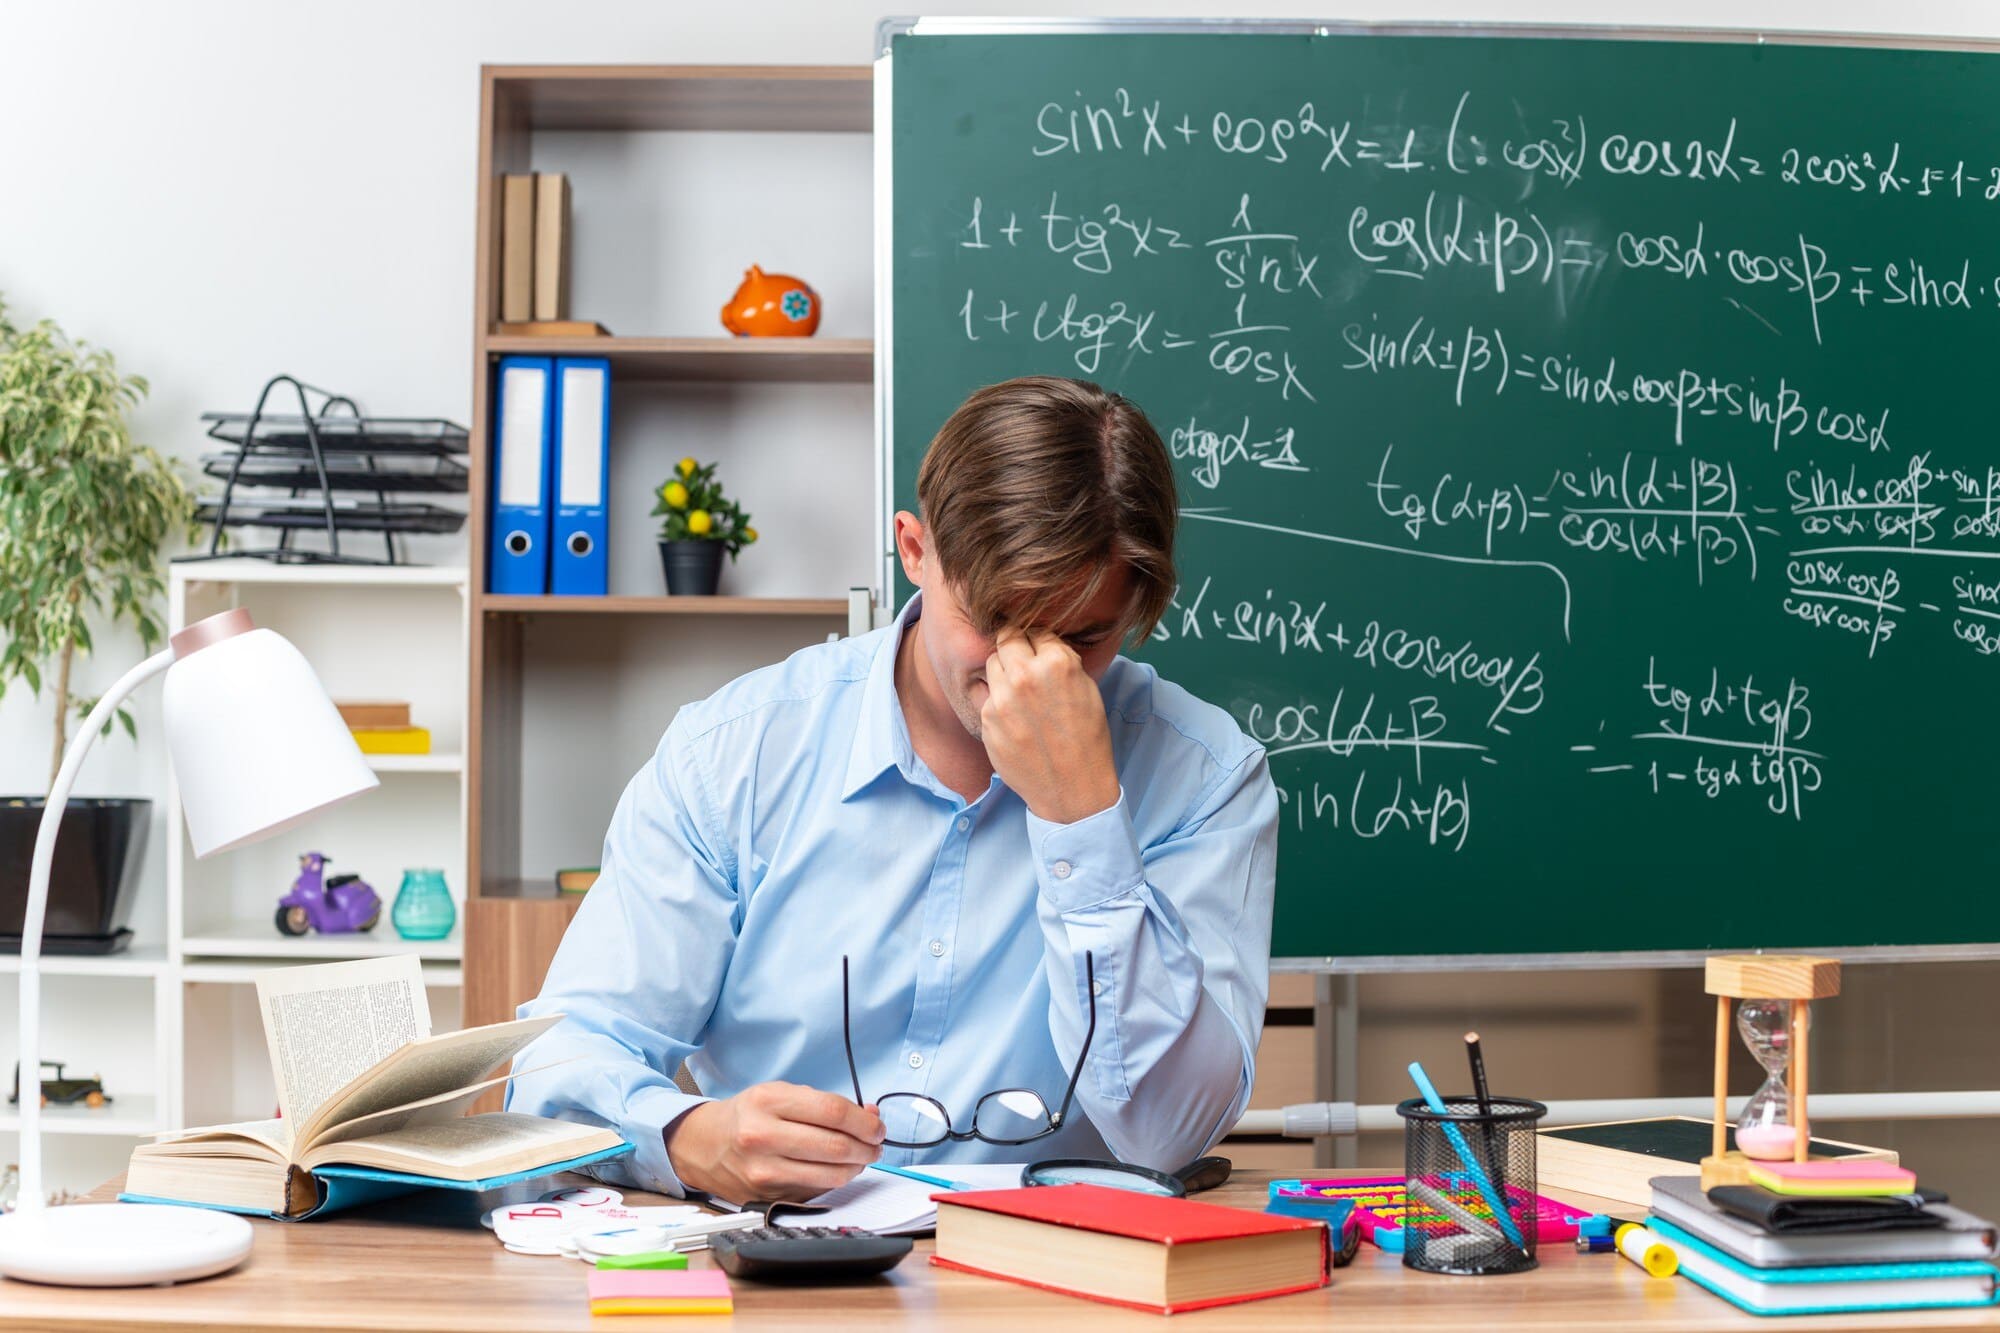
[701,523]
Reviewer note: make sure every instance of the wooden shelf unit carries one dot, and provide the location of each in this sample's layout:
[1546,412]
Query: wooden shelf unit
[735,360]
[512,923]
[838,99]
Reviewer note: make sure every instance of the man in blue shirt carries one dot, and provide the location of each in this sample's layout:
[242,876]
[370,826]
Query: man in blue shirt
[971,887]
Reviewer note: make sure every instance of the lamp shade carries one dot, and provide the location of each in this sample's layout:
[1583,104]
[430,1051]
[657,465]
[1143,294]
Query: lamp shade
[257,745]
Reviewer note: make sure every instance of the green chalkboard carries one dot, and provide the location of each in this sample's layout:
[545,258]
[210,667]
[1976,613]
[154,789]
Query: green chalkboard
[1587,446]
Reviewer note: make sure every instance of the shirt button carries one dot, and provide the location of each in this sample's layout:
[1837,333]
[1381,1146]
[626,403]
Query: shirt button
[1061,869]
[964,823]
[1096,987]
[916,1059]
[937,948]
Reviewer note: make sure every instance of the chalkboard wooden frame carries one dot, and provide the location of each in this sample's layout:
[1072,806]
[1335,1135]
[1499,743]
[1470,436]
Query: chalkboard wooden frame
[891,28]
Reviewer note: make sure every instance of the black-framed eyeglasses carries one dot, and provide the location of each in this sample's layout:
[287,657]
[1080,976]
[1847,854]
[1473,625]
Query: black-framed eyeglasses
[1009,1116]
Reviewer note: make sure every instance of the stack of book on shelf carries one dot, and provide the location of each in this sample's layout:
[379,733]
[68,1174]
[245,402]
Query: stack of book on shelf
[384,728]
[1826,1240]
[534,258]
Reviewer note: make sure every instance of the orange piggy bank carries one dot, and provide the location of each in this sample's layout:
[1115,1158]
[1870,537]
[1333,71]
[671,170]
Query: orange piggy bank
[772,305]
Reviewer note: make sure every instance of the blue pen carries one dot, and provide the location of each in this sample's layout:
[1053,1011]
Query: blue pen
[1464,1151]
[908,1174]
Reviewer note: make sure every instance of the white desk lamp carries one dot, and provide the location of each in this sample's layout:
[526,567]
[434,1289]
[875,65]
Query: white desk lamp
[258,748]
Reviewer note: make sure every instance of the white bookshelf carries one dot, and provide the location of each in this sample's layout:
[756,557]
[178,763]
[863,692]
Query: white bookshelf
[176,1014]
[369,633]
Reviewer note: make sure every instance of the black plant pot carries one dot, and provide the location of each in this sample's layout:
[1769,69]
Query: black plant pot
[693,568]
[98,850]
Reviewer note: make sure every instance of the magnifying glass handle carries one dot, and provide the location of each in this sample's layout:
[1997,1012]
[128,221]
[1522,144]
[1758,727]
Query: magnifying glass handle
[1203,1173]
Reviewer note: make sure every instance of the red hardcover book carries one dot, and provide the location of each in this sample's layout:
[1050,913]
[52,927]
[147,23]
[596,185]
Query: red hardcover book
[1137,1250]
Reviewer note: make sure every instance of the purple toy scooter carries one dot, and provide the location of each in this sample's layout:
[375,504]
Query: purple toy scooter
[342,905]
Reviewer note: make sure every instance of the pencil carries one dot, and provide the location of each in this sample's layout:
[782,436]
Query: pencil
[1489,1131]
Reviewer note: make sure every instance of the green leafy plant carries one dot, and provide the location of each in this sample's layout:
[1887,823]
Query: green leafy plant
[697,510]
[84,512]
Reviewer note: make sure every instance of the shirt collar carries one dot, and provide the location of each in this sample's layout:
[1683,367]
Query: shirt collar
[882,735]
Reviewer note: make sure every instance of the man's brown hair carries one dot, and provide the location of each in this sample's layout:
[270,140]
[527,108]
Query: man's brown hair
[1036,490]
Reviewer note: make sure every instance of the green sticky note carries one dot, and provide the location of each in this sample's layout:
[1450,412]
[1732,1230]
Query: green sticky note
[657,1259]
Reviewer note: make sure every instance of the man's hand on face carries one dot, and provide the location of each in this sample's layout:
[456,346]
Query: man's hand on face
[1044,729]
[774,1141]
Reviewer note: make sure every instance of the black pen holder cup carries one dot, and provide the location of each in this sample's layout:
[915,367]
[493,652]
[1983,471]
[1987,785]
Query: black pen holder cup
[1460,1165]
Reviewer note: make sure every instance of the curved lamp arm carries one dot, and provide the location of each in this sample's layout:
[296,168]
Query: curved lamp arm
[31,1198]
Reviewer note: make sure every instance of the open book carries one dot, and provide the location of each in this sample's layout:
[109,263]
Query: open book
[364,1091]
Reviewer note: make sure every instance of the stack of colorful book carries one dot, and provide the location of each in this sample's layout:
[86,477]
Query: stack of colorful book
[1827,1237]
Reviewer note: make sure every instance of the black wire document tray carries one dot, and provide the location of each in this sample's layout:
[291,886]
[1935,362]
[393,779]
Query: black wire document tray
[309,471]
[401,473]
[348,515]
[339,434]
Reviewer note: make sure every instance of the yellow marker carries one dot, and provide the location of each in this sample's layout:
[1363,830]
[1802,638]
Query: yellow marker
[1647,1250]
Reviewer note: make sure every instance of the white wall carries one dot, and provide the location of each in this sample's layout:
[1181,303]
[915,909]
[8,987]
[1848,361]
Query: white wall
[220,190]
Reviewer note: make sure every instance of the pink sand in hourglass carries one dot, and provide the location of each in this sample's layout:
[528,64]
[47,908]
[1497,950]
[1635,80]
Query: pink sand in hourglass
[1768,1143]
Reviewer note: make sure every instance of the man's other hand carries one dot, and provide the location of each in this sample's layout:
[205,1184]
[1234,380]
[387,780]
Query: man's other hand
[774,1141]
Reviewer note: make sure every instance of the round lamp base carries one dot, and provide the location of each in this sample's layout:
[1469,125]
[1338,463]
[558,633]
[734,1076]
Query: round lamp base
[121,1244]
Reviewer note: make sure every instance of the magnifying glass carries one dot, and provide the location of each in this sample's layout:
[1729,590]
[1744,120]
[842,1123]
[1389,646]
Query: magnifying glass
[1200,1174]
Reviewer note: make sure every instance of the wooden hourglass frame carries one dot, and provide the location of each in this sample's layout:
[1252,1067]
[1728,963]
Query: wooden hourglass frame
[1796,977]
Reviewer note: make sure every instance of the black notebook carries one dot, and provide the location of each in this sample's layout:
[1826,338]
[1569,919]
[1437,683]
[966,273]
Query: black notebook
[1803,1215]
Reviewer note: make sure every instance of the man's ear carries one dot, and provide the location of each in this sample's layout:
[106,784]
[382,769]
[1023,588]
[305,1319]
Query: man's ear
[911,541]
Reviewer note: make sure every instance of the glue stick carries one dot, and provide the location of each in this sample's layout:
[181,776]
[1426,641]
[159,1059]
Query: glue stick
[1647,1250]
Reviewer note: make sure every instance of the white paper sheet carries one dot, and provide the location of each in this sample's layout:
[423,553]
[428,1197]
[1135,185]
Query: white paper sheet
[895,1205]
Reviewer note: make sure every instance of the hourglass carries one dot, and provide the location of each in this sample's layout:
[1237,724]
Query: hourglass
[1766,1130]
[1777,993]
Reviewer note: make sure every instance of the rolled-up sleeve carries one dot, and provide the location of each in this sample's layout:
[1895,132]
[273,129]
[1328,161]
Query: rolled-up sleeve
[639,969]
[1178,936]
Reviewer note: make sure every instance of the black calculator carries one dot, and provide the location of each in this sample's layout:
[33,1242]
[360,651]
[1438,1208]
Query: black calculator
[806,1254]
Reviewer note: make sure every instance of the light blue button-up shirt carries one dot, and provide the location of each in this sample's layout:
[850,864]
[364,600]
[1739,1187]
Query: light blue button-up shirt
[786,820]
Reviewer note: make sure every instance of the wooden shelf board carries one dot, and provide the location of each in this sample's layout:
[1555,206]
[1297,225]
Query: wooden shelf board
[654,606]
[541,890]
[141,960]
[766,360]
[444,975]
[127,1115]
[822,98]
[243,569]
[415,763]
[262,940]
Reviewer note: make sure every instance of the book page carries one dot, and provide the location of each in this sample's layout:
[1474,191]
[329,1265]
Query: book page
[430,1110]
[325,1024]
[469,1146]
[273,1134]
[423,1069]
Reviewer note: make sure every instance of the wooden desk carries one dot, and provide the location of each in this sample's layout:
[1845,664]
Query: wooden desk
[424,1262]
